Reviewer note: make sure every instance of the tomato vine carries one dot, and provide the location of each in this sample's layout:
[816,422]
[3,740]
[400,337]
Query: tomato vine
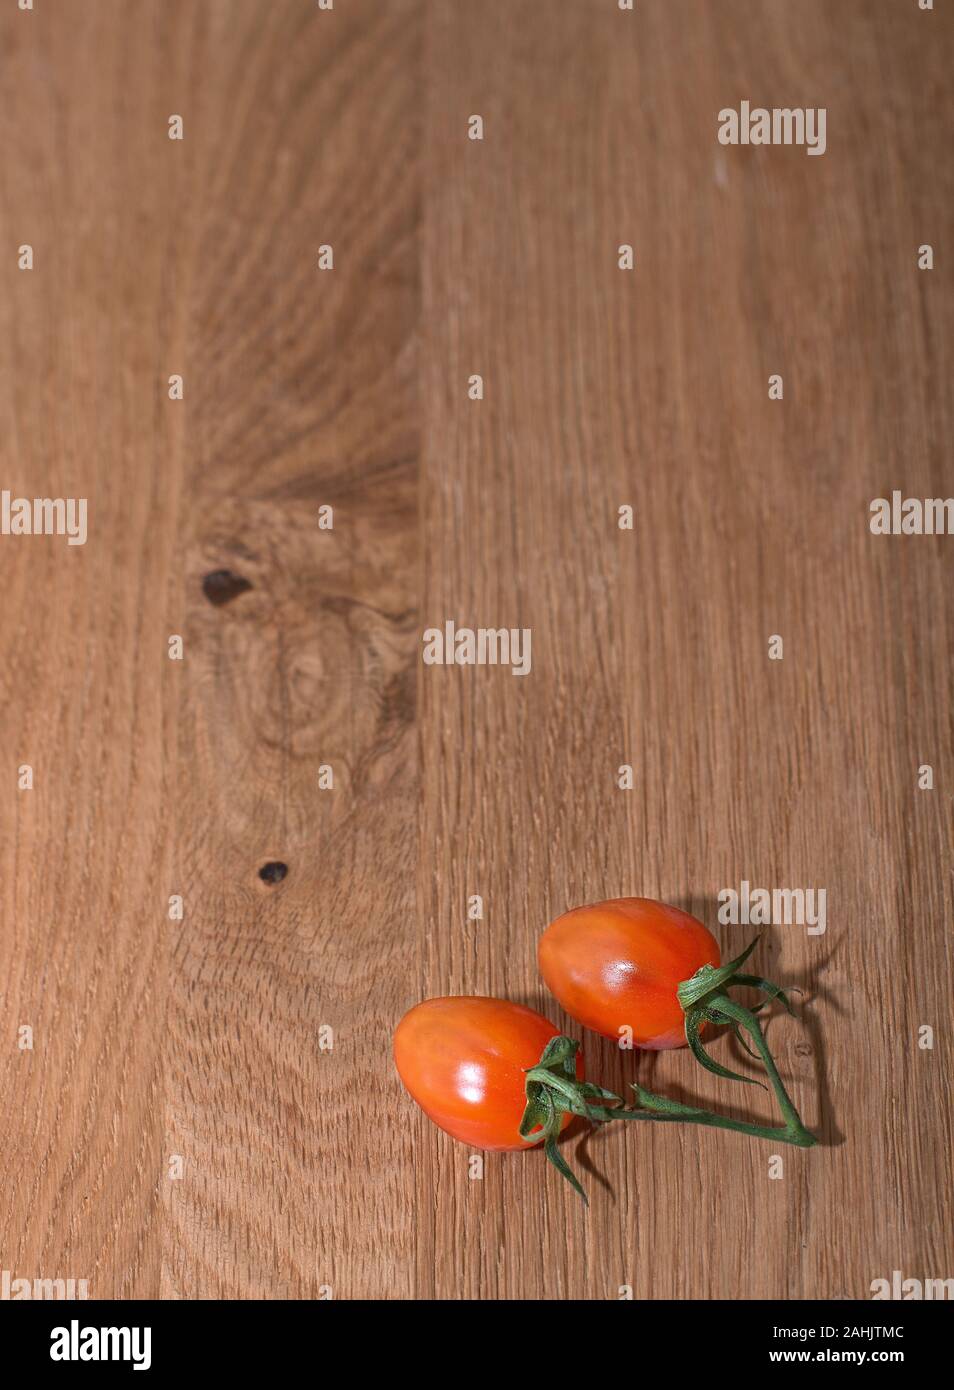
[553,1091]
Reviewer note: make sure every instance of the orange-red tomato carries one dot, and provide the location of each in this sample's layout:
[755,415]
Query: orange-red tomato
[617,964]
[463,1060]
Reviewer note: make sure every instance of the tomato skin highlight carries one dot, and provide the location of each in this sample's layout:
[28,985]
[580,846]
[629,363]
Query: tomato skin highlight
[618,964]
[463,1059]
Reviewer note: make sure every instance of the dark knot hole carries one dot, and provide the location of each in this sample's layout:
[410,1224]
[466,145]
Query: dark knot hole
[221,586]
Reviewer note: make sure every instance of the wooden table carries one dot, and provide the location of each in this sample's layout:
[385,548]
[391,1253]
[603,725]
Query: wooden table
[200,1048]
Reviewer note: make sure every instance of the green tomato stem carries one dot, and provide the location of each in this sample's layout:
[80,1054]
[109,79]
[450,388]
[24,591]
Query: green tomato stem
[553,1090]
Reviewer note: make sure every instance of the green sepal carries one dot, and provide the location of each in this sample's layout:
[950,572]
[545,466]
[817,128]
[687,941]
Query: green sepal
[553,1091]
[710,978]
[694,1019]
[737,1034]
[767,987]
[552,1151]
[560,1052]
[534,1117]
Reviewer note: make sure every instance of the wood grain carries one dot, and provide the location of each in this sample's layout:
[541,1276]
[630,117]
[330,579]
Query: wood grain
[306,1169]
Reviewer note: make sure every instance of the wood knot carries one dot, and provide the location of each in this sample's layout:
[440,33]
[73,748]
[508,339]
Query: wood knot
[221,586]
[273,872]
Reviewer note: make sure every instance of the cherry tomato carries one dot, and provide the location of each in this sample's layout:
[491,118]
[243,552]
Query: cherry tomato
[617,964]
[463,1060]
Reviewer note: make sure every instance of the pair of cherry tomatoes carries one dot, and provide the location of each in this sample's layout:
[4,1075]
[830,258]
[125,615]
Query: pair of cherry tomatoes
[614,966]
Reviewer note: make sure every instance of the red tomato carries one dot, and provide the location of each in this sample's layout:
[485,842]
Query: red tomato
[618,963]
[463,1061]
